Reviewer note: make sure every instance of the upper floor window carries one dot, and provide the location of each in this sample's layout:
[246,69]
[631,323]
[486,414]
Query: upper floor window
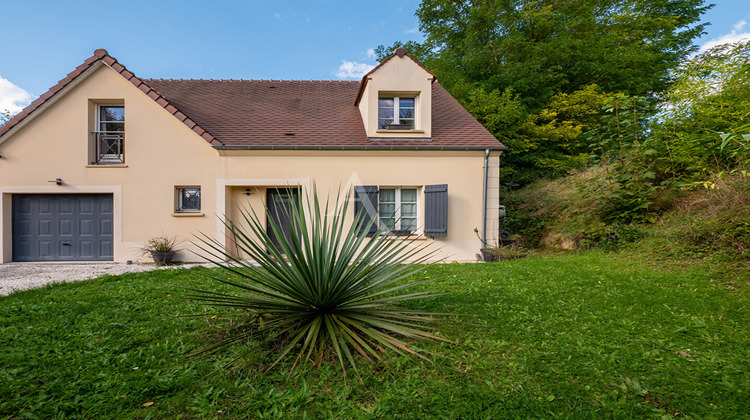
[109,134]
[397,112]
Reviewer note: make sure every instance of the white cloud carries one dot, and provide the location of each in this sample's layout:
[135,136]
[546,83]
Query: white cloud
[370,53]
[12,97]
[353,70]
[411,31]
[734,36]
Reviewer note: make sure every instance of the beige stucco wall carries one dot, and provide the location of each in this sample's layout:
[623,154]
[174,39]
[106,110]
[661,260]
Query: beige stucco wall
[399,75]
[161,153]
[331,171]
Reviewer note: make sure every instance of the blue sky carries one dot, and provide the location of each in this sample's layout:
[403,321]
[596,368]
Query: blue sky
[41,41]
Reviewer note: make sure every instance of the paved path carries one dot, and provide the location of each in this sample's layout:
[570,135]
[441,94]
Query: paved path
[22,276]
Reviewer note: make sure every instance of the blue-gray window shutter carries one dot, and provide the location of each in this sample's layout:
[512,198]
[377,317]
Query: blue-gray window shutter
[436,210]
[366,201]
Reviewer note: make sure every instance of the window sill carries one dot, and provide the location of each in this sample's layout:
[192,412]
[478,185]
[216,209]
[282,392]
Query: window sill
[407,238]
[400,131]
[188,214]
[107,165]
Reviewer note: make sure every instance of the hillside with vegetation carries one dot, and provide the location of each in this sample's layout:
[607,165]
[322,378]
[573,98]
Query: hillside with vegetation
[678,176]
[618,130]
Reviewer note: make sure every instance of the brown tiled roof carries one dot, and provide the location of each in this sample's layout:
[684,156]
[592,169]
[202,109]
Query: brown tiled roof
[289,114]
[272,114]
[269,112]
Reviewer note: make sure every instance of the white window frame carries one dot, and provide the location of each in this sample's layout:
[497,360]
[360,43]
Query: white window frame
[178,199]
[396,108]
[109,158]
[397,216]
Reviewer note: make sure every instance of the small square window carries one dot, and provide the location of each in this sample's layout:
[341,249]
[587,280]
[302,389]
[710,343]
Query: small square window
[188,199]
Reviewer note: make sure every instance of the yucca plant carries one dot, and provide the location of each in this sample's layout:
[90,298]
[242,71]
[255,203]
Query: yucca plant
[326,290]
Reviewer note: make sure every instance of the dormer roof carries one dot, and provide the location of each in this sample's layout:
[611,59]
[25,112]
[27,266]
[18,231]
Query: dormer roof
[400,53]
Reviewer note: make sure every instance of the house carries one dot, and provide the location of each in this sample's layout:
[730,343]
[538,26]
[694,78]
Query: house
[106,160]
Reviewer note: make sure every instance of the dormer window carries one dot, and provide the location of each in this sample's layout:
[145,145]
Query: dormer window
[397,112]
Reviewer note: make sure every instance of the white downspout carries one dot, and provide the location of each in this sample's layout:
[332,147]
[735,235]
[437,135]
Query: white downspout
[484,196]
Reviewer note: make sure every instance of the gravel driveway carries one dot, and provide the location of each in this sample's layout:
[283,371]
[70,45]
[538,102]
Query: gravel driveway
[22,276]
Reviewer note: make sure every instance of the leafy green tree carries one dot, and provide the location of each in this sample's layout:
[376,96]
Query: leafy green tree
[701,133]
[4,116]
[542,50]
[546,144]
[543,47]
[555,133]
[501,113]
[704,128]
[629,186]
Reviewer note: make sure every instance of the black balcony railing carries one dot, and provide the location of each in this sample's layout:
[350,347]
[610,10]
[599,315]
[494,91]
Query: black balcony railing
[110,147]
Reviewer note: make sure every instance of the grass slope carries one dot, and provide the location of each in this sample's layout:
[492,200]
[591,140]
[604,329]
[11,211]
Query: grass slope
[580,335]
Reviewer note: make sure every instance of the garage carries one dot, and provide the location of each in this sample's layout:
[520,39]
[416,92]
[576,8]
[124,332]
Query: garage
[62,227]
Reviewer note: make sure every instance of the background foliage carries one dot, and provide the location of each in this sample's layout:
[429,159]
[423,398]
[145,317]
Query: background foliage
[4,116]
[608,96]
[537,72]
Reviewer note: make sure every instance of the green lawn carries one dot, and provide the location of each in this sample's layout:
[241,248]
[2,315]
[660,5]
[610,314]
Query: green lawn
[588,335]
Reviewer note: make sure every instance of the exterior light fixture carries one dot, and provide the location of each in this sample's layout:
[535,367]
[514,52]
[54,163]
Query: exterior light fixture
[57,181]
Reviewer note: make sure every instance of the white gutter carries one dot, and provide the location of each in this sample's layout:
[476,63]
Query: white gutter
[484,196]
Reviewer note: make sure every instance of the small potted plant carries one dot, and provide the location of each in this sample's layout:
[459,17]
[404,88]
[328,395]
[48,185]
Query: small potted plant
[504,250]
[162,249]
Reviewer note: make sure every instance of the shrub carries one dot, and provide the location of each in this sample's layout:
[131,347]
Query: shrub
[160,244]
[326,291]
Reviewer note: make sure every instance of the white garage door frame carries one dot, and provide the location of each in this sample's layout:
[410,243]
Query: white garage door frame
[6,210]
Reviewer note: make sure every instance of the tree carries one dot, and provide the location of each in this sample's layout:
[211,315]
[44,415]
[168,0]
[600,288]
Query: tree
[543,47]
[704,127]
[547,144]
[561,59]
[701,133]
[5,116]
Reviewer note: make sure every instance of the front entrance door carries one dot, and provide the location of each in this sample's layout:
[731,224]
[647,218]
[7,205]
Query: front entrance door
[280,202]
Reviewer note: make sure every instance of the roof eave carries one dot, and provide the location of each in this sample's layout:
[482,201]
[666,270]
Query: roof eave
[34,109]
[379,147]
[100,57]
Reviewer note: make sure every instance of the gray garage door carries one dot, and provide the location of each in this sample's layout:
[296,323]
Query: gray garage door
[62,227]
